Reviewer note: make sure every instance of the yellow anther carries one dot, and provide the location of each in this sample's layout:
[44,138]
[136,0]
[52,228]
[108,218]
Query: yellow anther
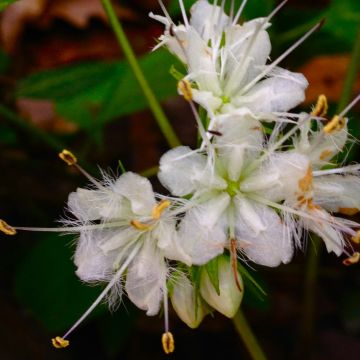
[305,183]
[321,106]
[60,343]
[335,124]
[6,228]
[68,157]
[184,87]
[356,238]
[168,342]
[353,259]
[159,209]
[138,225]
[348,211]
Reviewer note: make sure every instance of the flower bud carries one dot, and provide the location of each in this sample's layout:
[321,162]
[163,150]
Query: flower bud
[188,305]
[228,300]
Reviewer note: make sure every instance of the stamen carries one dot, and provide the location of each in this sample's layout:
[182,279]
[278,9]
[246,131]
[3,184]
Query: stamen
[6,228]
[60,343]
[321,106]
[138,225]
[168,342]
[184,87]
[350,106]
[113,281]
[356,238]
[183,12]
[281,58]
[68,157]
[238,14]
[159,209]
[336,124]
[354,259]
[233,259]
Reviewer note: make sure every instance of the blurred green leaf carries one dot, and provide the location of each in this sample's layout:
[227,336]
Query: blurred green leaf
[5,3]
[47,285]
[4,61]
[343,19]
[95,93]
[7,135]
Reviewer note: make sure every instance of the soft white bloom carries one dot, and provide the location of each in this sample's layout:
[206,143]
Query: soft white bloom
[263,194]
[227,62]
[223,207]
[227,301]
[130,218]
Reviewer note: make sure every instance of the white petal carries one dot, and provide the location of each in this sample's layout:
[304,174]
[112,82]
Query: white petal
[240,141]
[138,191]
[208,20]
[321,225]
[319,146]
[280,178]
[281,92]
[169,243]
[186,302]
[183,171]
[261,234]
[203,230]
[244,57]
[229,299]
[337,193]
[146,279]
[202,67]
[92,263]
[207,100]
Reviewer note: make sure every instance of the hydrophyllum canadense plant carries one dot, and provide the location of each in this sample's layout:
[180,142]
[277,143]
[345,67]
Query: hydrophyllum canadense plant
[260,180]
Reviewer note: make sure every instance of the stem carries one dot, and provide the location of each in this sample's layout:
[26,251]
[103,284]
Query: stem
[31,129]
[155,107]
[309,299]
[248,337]
[351,75]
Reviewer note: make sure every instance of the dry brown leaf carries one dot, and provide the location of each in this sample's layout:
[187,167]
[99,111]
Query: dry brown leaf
[42,114]
[15,17]
[326,75]
[78,13]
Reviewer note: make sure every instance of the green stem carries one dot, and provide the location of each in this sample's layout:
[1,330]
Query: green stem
[244,330]
[155,107]
[31,129]
[351,75]
[309,299]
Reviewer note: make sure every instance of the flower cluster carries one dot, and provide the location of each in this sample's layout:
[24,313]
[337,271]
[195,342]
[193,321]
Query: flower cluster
[261,179]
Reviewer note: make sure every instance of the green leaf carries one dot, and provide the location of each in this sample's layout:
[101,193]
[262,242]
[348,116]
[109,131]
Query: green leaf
[91,94]
[5,3]
[212,269]
[343,19]
[250,280]
[47,285]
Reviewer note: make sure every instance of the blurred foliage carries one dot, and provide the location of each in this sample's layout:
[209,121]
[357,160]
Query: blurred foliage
[5,3]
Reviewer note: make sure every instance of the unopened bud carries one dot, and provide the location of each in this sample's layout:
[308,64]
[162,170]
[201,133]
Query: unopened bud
[228,300]
[187,304]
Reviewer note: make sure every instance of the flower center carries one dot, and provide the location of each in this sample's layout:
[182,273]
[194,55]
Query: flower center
[233,188]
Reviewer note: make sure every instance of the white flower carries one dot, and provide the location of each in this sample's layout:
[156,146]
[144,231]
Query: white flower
[227,62]
[223,209]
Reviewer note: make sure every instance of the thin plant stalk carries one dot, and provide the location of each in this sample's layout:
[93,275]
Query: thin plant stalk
[309,298]
[154,105]
[351,75]
[244,330]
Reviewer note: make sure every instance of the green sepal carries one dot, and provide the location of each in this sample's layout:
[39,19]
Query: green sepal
[212,269]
